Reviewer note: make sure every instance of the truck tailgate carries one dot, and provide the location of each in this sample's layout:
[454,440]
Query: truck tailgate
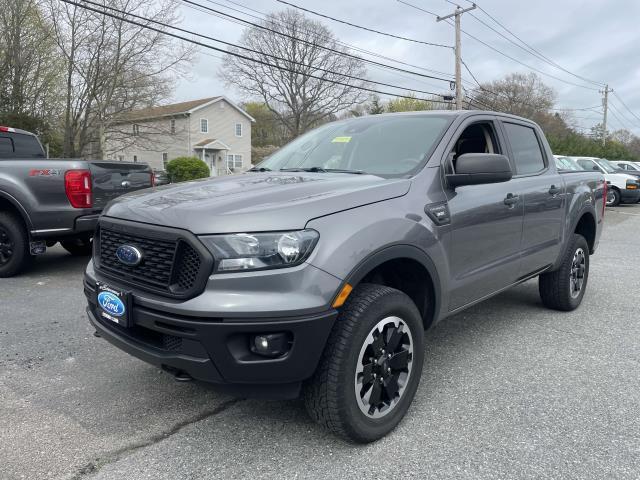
[112,179]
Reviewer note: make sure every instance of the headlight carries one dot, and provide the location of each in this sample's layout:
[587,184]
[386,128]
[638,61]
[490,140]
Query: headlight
[259,251]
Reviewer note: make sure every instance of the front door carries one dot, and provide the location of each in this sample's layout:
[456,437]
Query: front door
[486,223]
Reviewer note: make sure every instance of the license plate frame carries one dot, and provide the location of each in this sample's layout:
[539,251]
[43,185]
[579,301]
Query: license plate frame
[114,304]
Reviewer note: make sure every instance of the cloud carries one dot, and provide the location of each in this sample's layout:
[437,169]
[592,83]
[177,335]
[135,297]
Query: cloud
[596,39]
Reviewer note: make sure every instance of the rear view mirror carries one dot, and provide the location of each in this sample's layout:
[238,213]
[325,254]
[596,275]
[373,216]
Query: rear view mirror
[480,168]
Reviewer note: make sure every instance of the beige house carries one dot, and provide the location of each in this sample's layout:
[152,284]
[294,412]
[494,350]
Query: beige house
[214,129]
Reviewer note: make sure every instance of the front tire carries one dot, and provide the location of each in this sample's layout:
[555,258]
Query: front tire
[371,366]
[564,288]
[613,197]
[78,247]
[14,246]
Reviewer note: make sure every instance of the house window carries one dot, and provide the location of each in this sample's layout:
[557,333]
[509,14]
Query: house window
[204,125]
[135,159]
[173,125]
[238,129]
[165,160]
[234,161]
[136,129]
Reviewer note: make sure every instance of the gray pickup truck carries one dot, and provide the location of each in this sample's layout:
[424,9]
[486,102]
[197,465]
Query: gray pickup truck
[44,201]
[318,272]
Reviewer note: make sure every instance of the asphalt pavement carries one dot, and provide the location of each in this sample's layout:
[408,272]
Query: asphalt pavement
[509,390]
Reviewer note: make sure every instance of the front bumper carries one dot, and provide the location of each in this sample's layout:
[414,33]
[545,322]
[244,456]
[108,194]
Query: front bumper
[215,348]
[629,196]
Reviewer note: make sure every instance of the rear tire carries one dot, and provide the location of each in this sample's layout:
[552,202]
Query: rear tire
[613,197]
[564,288]
[78,247]
[371,365]
[14,245]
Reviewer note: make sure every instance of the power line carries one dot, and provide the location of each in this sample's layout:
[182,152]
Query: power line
[625,106]
[502,53]
[333,50]
[348,45]
[361,27]
[234,54]
[319,36]
[275,57]
[525,46]
[485,89]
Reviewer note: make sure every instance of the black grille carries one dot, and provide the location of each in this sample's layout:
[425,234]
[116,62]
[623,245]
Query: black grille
[170,265]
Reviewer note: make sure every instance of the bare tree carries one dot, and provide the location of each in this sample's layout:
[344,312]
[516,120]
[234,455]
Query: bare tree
[112,67]
[294,73]
[29,68]
[517,93]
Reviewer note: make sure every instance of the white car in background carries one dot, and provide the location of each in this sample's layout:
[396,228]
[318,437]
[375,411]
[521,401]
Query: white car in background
[632,167]
[623,188]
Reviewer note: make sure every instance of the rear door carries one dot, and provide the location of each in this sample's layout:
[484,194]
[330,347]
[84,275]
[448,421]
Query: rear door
[543,193]
[486,221]
[112,179]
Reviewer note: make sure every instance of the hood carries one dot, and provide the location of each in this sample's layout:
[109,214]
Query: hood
[254,201]
[619,177]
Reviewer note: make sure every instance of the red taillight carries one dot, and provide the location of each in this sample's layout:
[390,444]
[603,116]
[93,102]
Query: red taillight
[77,185]
[7,129]
[153,180]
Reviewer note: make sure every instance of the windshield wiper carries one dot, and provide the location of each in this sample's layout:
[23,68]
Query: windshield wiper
[259,169]
[321,170]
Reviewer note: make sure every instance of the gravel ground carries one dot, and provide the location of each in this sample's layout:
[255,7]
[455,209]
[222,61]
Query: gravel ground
[509,390]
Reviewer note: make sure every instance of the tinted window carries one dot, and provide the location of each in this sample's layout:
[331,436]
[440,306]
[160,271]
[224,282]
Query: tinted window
[27,146]
[526,149]
[6,147]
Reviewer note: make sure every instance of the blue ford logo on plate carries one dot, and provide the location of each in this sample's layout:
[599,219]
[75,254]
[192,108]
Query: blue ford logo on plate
[129,255]
[111,304]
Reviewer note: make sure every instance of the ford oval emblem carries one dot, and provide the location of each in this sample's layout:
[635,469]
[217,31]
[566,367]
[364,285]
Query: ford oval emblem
[111,304]
[129,255]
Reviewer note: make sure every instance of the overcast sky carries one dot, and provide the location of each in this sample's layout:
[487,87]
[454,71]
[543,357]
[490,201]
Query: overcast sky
[596,39]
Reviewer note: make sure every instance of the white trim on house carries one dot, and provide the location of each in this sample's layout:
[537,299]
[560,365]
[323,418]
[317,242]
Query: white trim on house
[215,145]
[215,100]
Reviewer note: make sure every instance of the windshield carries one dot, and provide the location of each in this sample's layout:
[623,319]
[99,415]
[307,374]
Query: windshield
[388,146]
[565,163]
[606,165]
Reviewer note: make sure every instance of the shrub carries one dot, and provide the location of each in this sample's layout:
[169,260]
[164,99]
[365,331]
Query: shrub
[182,169]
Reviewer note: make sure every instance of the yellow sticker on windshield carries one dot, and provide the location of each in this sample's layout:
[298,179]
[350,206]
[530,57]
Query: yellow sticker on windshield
[341,140]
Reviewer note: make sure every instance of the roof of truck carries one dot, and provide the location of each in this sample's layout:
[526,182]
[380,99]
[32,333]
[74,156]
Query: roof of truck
[4,129]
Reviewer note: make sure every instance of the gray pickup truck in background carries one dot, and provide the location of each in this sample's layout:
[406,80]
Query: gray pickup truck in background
[44,201]
[318,272]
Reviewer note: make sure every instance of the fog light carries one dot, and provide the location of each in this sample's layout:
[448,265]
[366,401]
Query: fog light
[271,344]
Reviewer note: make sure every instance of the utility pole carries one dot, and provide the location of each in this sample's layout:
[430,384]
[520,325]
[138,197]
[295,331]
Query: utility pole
[605,106]
[457,14]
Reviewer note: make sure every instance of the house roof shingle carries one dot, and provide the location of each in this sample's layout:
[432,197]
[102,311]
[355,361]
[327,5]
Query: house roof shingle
[165,110]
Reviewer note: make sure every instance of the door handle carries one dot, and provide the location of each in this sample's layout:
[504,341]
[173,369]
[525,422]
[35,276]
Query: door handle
[511,199]
[554,190]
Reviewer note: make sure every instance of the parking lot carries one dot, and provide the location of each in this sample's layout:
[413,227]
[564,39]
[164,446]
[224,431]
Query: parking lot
[509,390]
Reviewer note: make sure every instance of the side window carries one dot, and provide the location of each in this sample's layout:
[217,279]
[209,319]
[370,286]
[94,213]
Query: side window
[588,165]
[6,147]
[527,154]
[476,138]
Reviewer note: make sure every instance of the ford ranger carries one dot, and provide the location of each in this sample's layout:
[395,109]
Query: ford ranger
[318,272]
[44,201]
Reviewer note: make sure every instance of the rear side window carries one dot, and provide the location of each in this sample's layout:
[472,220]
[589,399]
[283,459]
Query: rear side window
[527,153]
[6,147]
[27,146]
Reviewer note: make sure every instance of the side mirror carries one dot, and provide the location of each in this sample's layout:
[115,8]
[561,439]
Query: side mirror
[480,168]
[596,168]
